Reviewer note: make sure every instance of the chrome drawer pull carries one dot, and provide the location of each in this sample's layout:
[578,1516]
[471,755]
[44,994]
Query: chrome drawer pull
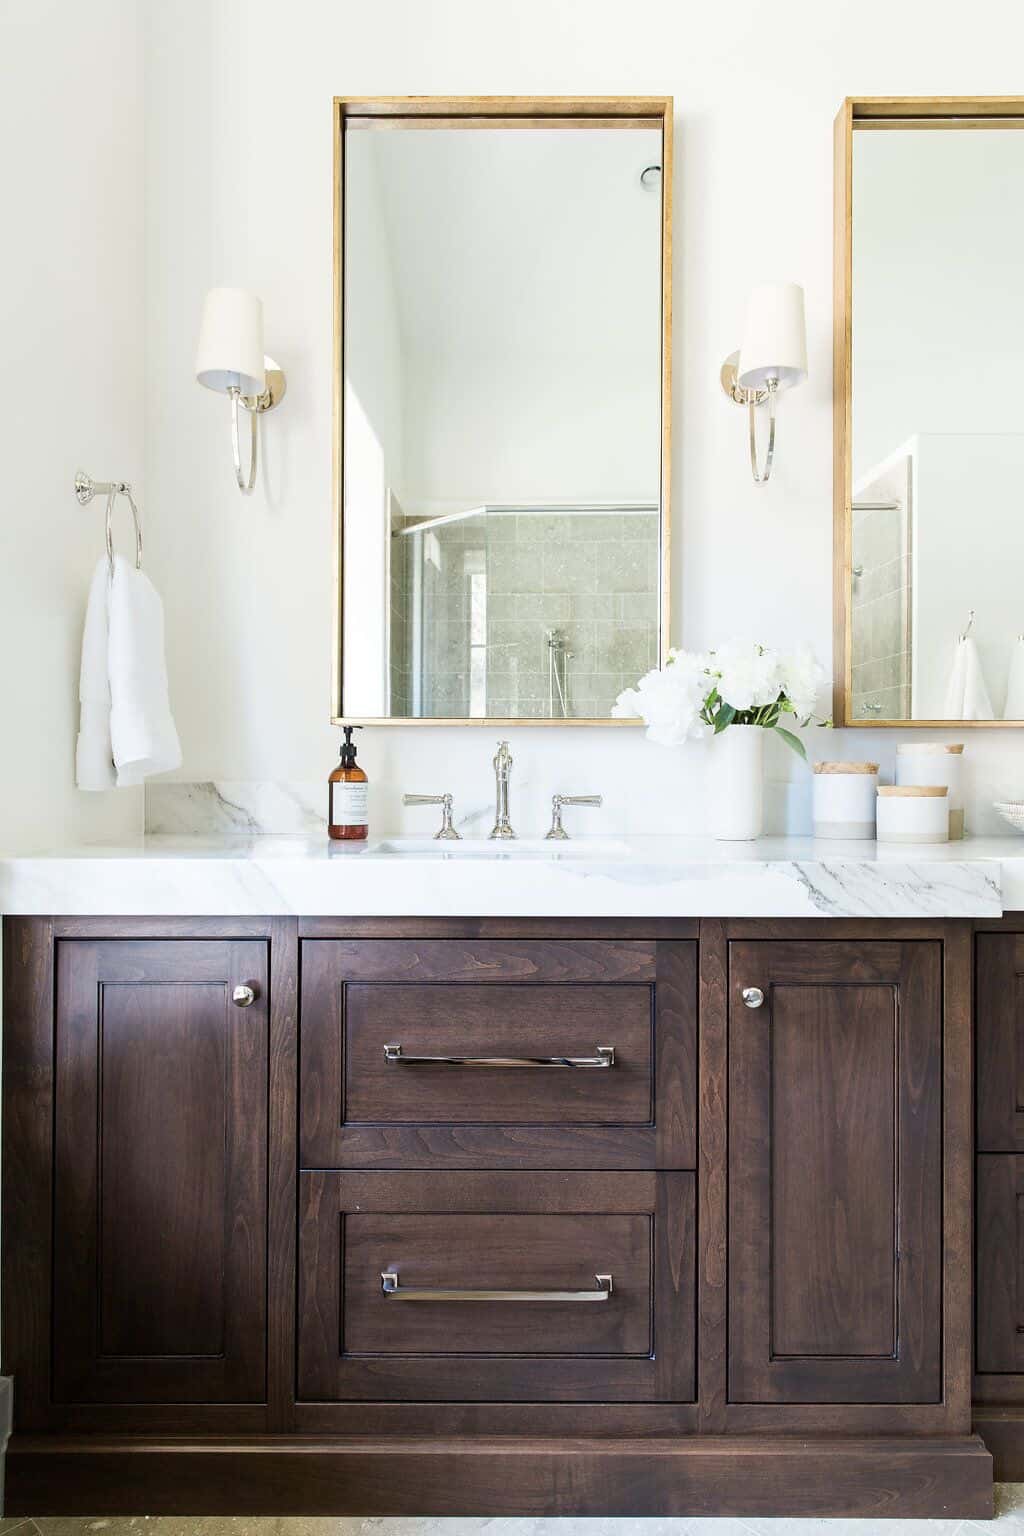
[390,1287]
[605,1058]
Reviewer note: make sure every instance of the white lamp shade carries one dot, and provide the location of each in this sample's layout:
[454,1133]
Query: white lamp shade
[230,350]
[774,338]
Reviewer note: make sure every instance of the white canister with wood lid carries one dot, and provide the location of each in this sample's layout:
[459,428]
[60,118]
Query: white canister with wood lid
[935,762]
[913,813]
[844,799]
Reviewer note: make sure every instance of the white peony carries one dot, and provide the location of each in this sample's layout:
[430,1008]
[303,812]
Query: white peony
[748,674]
[739,683]
[669,699]
[802,676]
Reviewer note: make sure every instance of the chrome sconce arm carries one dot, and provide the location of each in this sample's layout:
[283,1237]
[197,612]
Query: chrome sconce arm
[255,405]
[752,398]
[230,359]
[773,358]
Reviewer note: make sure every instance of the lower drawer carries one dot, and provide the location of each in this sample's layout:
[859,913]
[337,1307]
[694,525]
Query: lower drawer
[496,1287]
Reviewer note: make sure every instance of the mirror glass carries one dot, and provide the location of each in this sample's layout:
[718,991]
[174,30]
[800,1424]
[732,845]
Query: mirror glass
[938,437]
[501,430]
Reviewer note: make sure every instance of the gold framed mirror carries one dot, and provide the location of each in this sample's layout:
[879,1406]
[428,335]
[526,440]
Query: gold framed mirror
[502,407]
[929,453]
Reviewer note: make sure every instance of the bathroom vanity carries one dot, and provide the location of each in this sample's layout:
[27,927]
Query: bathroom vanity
[644,1214]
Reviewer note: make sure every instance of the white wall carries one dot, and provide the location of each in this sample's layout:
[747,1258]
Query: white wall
[71,172]
[238,189]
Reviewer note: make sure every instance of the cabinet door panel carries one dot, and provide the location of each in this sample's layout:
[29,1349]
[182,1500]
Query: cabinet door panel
[835,1173]
[1000,1041]
[160,1172]
[1000,1279]
[505,998]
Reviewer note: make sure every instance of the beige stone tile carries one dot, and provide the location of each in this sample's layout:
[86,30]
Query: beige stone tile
[570,569]
[622,568]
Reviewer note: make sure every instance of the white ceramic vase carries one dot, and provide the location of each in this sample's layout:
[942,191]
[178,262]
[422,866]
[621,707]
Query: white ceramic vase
[736,772]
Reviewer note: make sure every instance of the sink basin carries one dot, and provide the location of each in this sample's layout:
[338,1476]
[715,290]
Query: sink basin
[481,848]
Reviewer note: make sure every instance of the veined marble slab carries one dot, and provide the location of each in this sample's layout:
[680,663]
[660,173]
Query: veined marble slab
[230,807]
[654,877]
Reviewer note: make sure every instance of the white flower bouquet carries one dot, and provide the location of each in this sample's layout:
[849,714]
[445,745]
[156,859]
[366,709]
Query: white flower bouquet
[738,683]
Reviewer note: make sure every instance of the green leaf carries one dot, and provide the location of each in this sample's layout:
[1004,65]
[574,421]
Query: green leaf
[725,717]
[792,741]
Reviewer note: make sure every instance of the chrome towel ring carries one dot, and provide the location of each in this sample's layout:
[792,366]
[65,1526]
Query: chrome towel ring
[86,488]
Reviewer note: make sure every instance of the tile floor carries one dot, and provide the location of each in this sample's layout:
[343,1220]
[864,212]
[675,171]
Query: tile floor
[1009,1519]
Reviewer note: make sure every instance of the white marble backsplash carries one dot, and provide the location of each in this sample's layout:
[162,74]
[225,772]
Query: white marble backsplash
[246,806]
[276,808]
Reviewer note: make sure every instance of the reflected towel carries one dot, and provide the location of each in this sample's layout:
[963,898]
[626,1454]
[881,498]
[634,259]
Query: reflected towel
[1014,707]
[126,730]
[967,697]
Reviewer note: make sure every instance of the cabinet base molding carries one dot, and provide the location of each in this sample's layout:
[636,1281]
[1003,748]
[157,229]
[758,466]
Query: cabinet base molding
[1002,1430]
[739,1475]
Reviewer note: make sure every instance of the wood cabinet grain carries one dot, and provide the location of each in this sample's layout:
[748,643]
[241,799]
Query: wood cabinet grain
[835,1173]
[1000,1041]
[498,998]
[160,1172]
[464,1231]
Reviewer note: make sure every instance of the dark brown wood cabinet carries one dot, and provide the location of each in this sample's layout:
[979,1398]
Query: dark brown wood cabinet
[835,1172]
[999,1194]
[272,1259]
[999,991]
[160,1172]
[999,1296]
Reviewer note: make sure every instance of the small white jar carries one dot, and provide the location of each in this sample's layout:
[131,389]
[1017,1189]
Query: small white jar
[935,762]
[844,799]
[913,813]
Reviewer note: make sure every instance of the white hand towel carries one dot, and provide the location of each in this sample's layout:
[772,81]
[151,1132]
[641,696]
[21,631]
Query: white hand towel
[94,759]
[142,733]
[967,697]
[1014,709]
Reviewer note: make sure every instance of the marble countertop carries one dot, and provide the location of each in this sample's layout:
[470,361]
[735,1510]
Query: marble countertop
[264,876]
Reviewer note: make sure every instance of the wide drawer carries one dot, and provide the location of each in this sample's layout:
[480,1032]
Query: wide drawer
[463,1053]
[496,1287]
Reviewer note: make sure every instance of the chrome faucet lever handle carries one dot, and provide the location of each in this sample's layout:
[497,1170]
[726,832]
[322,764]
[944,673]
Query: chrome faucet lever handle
[447,832]
[558,832]
[502,773]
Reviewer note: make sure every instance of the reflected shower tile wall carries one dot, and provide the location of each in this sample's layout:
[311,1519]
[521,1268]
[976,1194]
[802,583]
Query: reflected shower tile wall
[592,578]
[399,660]
[881,608]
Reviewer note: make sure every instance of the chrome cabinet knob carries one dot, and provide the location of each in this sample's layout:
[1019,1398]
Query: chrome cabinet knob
[243,997]
[753,997]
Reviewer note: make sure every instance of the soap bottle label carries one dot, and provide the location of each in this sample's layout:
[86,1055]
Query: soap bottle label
[349,805]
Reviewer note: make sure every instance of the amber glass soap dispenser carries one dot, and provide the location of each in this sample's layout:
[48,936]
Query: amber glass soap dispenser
[347,814]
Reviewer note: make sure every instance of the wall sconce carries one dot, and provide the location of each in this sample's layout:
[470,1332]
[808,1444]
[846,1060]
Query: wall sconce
[773,358]
[230,359]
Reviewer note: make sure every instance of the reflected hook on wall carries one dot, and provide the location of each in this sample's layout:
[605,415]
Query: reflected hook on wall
[649,170]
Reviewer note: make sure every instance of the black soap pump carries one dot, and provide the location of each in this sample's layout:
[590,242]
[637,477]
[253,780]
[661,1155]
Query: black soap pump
[347,788]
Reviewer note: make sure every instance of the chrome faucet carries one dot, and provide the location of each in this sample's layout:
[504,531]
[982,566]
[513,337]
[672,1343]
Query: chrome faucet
[502,774]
